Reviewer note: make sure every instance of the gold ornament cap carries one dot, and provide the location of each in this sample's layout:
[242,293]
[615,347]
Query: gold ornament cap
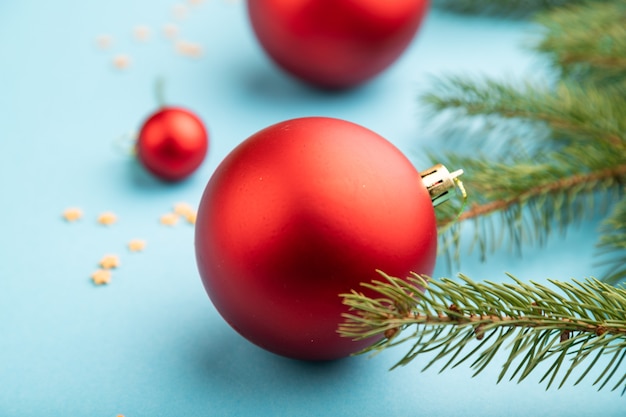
[440,182]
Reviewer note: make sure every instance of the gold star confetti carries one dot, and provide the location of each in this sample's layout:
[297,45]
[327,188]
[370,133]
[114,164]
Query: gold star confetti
[142,33]
[180,11]
[169,219]
[107,218]
[101,277]
[183,209]
[170,30]
[72,214]
[121,61]
[189,49]
[110,262]
[191,218]
[186,211]
[136,245]
[104,41]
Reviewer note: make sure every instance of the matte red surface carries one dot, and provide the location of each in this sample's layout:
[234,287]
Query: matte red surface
[335,43]
[172,143]
[300,212]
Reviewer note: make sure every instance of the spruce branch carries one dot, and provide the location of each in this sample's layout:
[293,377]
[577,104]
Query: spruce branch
[570,111]
[561,147]
[598,52]
[524,202]
[564,325]
[513,8]
[577,183]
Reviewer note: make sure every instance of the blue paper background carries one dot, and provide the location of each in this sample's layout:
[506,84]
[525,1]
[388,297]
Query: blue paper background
[150,343]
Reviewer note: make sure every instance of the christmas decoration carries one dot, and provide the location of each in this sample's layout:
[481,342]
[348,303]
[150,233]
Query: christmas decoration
[72,214]
[335,44]
[107,218]
[172,143]
[302,211]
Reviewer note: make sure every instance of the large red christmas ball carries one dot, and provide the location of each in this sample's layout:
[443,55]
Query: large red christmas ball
[299,213]
[335,43]
[172,143]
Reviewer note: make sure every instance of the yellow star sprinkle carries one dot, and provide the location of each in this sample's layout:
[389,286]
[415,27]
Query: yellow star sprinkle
[136,245]
[101,277]
[72,214]
[107,218]
[183,209]
[104,41]
[142,33]
[110,261]
[169,219]
[121,61]
[189,49]
[191,218]
[180,11]
[170,30]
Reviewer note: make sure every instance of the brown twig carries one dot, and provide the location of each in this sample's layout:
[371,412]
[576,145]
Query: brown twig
[521,321]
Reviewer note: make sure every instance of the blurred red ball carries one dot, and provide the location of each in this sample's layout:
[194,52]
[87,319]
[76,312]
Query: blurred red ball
[335,43]
[299,213]
[172,143]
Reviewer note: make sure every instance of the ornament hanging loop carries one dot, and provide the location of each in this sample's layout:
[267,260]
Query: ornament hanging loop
[440,182]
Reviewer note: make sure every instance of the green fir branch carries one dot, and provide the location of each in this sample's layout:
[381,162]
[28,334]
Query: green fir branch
[513,8]
[528,201]
[561,148]
[597,53]
[568,326]
[570,111]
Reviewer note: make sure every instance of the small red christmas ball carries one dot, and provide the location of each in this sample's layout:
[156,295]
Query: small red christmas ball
[172,143]
[335,44]
[301,212]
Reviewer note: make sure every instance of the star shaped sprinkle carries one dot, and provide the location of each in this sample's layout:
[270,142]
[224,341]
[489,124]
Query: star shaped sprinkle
[170,30]
[136,245]
[104,41]
[121,61]
[110,262]
[142,33]
[189,49]
[169,219]
[72,214]
[107,218]
[186,211]
[180,11]
[101,277]
[191,218]
[183,209]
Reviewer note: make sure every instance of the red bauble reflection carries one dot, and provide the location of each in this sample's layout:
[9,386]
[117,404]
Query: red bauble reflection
[299,213]
[338,43]
[172,143]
